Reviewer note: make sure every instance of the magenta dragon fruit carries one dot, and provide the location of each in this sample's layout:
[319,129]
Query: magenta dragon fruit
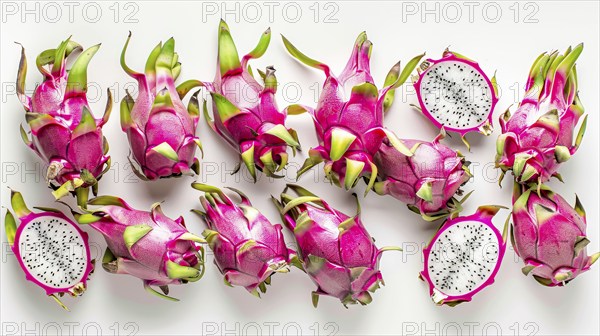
[455,93]
[146,244]
[335,250]
[248,248]
[463,257]
[64,132]
[160,130]
[539,136]
[426,181]
[245,113]
[349,126]
[52,251]
[549,235]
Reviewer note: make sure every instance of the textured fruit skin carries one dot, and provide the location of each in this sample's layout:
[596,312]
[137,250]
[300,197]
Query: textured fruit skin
[64,133]
[247,247]
[426,181]
[484,127]
[538,137]
[335,250]
[161,131]
[348,118]
[14,231]
[484,215]
[146,244]
[550,236]
[245,112]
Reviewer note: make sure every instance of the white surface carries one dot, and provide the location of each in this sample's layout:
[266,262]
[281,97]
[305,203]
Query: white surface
[118,304]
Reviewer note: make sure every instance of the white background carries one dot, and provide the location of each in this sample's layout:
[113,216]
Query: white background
[118,304]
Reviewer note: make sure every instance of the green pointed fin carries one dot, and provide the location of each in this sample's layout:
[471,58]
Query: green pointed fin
[77,78]
[134,233]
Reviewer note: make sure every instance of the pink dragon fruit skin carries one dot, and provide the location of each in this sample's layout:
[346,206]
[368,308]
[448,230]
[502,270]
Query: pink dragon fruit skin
[489,96]
[335,250]
[539,136]
[160,130]
[146,244]
[350,130]
[248,248]
[246,113]
[64,132]
[426,181]
[44,254]
[550,236]
[468,281]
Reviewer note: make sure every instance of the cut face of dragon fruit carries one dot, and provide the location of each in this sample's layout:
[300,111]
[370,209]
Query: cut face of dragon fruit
[146,244]
[335,250]
[52,251]
[550,236]
[161,131]
[64,133]
[248,248]
[426,181]
[463,257]
[455,93]
[348,118]
[538,137]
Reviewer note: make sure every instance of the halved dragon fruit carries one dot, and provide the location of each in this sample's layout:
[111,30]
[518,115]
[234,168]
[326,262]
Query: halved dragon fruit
[335,250]
[248,248]
[52,251]
[348,118]
[463,257]
[455,93]
[550,235]
[146,244]
[64,133]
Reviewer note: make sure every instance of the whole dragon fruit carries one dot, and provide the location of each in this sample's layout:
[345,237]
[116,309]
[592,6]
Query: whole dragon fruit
[160,130]
[426,181]
[248,248]
[549,235]
[335,250]
[349,125]
[52,251]
[146,244]
[245,113]
[539,136]
[464,257]
[456,94]
[64,132]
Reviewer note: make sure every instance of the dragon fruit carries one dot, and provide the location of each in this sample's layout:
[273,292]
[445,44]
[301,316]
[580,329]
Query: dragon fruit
[146,244]
[463,257]
[160,130]
[248,248]
[349,126]
[455,93]
[426,181]
[52,251]
[549,235]
[245,113]
[64,133]
[539,136]
[335,250]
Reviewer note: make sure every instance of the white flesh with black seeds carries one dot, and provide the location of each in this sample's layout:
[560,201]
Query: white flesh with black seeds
[53,251]
[463,257]
[456,94]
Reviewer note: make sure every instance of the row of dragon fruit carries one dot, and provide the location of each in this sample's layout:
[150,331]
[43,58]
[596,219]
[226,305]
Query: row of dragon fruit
[333,248]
